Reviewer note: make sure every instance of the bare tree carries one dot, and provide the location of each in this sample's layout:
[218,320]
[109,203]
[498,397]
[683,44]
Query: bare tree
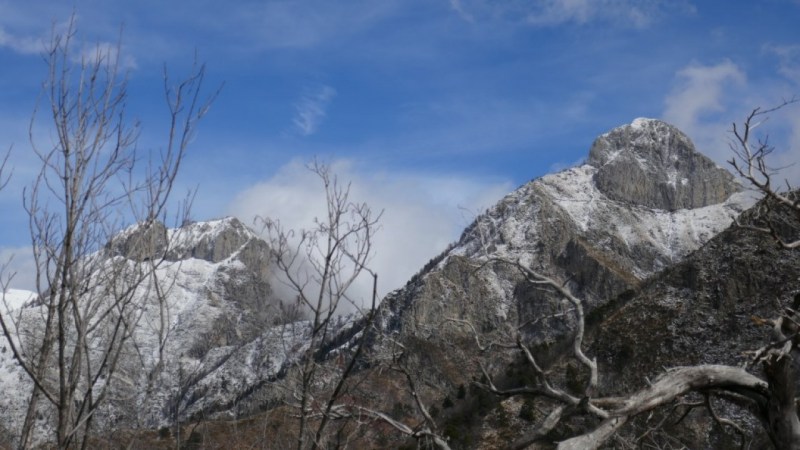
[613,412]
[427,431]
[92,180]
[772,399]
[320,266]
[750,161]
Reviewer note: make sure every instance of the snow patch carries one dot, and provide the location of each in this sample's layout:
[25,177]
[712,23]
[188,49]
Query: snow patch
[641,123]
[675,233]
[14,299]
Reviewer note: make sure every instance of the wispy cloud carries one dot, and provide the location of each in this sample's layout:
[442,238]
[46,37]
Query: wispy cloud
[636,13]
[788,60]
[302,23]
[704,102]
[24,45]
[458,7]
[701,89]
[311,110]
[88,53]
[106,53]
[707,99]
[551,13]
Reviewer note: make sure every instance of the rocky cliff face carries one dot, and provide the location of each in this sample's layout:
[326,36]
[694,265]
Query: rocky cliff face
[651,163]
[702,310]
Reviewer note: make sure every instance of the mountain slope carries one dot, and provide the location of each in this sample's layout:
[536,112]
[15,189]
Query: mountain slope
[574,225]
[704,310]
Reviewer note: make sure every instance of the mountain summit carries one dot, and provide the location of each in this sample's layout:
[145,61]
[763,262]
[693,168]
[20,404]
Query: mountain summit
[651,163]
[604,227]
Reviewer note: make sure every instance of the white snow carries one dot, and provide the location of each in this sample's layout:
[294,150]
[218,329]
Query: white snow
[189,235]
[676,233]
[192,301]
[14,299]
[510,229]
[641,123]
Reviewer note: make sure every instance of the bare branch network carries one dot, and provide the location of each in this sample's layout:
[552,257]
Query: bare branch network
[92,179]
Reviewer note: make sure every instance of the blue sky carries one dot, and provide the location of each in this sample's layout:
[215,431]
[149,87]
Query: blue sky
[433,108]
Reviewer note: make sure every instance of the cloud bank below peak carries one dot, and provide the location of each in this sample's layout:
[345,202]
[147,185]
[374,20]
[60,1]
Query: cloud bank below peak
[422,213]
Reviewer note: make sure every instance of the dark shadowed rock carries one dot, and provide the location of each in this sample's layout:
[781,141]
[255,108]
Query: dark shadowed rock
[701,311]
[651,163]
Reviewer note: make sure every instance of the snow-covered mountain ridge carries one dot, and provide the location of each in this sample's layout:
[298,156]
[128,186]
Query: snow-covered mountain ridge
[214,304]
[643,201]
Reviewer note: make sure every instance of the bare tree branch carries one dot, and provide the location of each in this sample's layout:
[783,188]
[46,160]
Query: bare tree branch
[750,161]
[320,266]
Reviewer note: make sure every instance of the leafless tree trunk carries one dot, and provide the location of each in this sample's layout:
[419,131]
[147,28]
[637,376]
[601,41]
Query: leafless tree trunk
[91,182]
[750,161]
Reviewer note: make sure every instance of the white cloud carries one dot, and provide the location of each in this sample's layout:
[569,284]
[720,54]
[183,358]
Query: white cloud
[637,13]
[458,7]
[702,103]
[701,90]
[708,99]
[38,45]
[788,60]
[24,45]
[422,212]
[106,52]
[310,110]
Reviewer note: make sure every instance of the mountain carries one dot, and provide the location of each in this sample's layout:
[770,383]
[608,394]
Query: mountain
[638,216]
[644,200]
[583,225]
[215,283]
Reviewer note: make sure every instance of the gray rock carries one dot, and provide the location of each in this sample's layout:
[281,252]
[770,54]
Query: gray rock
[653,164]
[212,241]
[141,242]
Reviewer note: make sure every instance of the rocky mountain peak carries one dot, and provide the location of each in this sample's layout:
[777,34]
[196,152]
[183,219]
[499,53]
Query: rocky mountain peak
[653,164]
[212,241]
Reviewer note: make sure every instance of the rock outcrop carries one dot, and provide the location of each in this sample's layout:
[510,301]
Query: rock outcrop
[213,305]
[651,163]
